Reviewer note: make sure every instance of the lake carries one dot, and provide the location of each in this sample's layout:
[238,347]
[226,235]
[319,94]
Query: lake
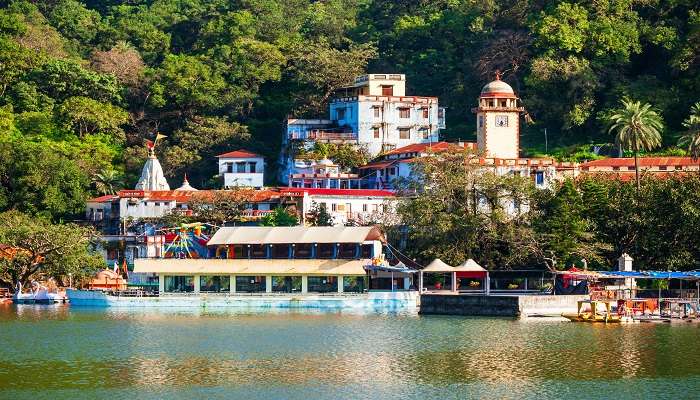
[55,352]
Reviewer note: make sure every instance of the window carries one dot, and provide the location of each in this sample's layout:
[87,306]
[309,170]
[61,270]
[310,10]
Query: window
[216,284]
[404,112]
[481,121]
[426,112]
[250,284]
[240,167]
[630,168]
[616,168]
[229,167]
[502,121]
[539,178]
[286,284]
[404,133]
[251,167]
[503,103]
[424,133]
[377,111]
[375,132]
[322,284]
[364,208]
[392,171]
[387,90]
[334,207]
[356,284]
[662,168]
[175,284]
[340,113]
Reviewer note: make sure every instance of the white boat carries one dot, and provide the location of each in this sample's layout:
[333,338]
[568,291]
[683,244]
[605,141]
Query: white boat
[39,294]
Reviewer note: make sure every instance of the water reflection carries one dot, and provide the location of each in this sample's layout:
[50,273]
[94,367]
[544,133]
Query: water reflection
[331,354]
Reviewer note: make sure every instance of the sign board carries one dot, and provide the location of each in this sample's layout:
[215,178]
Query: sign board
[131,193]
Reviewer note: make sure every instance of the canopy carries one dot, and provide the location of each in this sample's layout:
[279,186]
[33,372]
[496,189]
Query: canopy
[437,265]
[250,267]
[469,266]
[294,234]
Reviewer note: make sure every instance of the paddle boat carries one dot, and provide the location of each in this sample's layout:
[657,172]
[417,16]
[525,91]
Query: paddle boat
[597,311]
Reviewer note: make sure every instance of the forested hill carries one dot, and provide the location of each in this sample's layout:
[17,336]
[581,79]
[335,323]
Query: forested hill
[83,84]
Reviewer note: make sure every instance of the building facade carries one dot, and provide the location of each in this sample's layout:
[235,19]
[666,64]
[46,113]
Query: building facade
[374,113]
[241,168]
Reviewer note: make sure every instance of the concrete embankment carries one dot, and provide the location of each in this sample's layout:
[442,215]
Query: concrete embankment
[498,305]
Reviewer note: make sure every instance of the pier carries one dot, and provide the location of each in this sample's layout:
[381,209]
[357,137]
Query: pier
[518,306]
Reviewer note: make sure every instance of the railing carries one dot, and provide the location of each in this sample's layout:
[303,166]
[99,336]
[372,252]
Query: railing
[330,135]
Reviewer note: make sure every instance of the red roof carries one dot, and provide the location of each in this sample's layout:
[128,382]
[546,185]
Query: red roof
[643,162]
[338,192]
[378,164]
[240,154]
[103,199]
[419,148]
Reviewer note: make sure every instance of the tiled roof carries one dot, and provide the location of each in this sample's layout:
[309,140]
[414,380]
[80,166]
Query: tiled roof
[378,164]
[340,192]
[185,196]
[419,148]
[643,162]
[103,199]
[240,154]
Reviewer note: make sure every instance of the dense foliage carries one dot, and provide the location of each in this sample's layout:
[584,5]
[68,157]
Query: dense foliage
[35,249]
[84,83]
[504,223]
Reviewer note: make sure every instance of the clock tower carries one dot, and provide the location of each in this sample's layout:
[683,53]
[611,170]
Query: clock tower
[498,120]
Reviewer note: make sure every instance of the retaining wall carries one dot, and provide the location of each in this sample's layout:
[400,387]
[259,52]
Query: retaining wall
[498,306]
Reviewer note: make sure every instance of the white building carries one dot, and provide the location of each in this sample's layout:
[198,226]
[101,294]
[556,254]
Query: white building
[241,168]
[346,206]
[374,113]
[322,174]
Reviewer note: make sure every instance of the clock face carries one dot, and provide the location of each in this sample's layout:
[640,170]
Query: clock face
[502,121]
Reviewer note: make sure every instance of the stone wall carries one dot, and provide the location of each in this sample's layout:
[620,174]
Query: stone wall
[498,306]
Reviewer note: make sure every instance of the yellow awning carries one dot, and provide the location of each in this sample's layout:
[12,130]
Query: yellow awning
[250,267]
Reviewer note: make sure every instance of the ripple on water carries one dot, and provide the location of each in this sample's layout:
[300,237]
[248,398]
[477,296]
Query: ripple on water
[56,351]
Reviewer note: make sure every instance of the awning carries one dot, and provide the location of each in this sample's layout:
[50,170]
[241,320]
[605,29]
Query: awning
[293,234]
[437,265]
[470,269]
[250,267]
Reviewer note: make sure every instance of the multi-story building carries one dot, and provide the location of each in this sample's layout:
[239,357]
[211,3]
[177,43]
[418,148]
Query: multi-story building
[241,168]
[374,113]
[345,206]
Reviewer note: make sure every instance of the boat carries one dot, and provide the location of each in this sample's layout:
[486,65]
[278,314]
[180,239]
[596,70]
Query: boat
[39,294]
[599,311]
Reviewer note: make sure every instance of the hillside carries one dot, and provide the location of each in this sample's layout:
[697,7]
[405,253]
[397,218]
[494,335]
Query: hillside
[84,84]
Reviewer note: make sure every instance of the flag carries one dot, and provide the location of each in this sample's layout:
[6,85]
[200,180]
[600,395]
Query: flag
[116,266]
[150,144]
[126,270]
[159,136]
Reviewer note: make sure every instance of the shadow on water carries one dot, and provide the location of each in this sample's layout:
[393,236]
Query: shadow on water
[59,352]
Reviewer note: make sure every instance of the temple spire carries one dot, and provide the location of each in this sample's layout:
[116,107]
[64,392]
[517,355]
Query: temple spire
[152,177]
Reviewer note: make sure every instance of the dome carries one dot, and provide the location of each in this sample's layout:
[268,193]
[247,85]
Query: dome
[186,186]
[326,161]
[497,87]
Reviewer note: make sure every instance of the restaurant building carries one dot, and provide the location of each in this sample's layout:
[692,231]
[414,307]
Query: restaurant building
[280,260]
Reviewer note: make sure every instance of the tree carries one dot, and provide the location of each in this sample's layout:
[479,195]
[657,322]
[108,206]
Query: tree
[107,181]
[319,215]
[638,128]
[564,230]
[279,217]
[34,249]
[220,207]
[461,210]
[86,116]
[691,139]
[122,61]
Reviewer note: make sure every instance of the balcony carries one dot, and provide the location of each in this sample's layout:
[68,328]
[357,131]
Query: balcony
[325,135]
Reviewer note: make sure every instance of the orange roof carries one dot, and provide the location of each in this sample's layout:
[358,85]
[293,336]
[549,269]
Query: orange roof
[240,154]
[185,196]
[420,148]
[378,164]
[103,199]
[643,162]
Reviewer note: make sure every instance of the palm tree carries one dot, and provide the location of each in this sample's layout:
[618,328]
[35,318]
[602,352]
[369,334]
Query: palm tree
[106,181]
[691,138]
[638,128]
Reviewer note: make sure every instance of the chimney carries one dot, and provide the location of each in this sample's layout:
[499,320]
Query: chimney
[624,263]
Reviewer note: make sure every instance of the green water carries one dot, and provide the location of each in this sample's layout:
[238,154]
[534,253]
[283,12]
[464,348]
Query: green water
[55,352]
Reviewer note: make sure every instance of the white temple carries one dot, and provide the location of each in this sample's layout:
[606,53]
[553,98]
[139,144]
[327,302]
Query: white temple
[186,186]
[152,177]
